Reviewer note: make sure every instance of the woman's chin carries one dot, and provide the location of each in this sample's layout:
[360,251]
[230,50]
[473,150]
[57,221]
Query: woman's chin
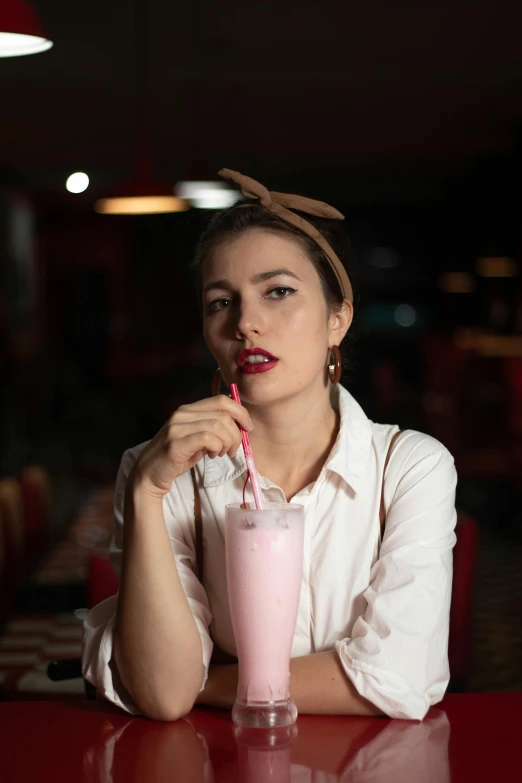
[259,388]
[268,388]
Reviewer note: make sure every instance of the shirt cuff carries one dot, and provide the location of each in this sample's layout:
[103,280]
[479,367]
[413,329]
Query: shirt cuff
[207,647]
[388,691]
[98,665]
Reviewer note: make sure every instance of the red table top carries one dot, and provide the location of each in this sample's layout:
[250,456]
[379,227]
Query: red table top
[469,737]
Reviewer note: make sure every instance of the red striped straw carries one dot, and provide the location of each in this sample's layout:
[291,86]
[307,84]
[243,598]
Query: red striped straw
[252,472]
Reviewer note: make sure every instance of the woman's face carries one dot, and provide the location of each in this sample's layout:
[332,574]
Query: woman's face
[260,291]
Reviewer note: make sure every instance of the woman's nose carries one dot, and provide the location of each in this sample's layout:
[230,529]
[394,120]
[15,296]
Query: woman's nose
[250,320]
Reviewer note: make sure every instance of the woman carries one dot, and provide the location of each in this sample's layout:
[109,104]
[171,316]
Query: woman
[372,629]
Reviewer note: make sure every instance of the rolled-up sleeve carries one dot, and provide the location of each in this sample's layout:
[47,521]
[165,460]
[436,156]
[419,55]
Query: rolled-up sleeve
[98,664]
[397,655]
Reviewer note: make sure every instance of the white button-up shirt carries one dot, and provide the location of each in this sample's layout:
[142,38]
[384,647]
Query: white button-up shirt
[383,605]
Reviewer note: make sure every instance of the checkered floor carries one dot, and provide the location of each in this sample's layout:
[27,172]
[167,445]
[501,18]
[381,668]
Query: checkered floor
[27,646]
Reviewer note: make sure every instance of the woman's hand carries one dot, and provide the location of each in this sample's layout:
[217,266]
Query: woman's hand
[208,426]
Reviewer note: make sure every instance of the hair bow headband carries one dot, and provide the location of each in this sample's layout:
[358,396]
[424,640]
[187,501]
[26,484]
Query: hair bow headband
[281,205]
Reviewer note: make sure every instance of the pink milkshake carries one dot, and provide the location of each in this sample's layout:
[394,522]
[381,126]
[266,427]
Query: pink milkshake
[264,553]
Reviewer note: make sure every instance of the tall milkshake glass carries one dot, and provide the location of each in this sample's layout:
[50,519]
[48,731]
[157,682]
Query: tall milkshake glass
[264,555]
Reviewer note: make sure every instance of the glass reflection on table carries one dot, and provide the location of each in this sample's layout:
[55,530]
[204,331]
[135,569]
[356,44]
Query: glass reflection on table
[206,747]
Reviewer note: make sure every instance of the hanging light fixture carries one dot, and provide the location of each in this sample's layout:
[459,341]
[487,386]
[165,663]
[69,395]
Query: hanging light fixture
[20,30]
[143,195]
[207,195]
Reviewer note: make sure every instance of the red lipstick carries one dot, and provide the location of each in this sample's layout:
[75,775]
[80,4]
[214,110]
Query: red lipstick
[251,369]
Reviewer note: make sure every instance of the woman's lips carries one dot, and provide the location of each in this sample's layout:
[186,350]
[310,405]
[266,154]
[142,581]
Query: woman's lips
[252,369]
[248,368]
[247,352]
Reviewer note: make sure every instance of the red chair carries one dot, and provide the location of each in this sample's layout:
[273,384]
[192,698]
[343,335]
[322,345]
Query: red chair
[6,595]
[13,534]
[102,580]
[464,563]
[102,583]
[36,493]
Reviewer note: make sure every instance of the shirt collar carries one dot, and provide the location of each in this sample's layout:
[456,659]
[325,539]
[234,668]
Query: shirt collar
[350,452]
[348,457]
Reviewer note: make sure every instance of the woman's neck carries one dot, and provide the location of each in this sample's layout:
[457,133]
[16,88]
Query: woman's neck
[292,439]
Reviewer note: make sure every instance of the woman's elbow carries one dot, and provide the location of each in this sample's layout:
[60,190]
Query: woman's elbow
[166,712]
[167,706]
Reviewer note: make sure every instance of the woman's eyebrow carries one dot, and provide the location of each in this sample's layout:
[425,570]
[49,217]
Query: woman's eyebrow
[260,278]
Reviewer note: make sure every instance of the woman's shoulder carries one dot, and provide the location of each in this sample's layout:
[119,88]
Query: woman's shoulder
[415,445]
[419,490]
[409,454]
[406,443]
[414,456]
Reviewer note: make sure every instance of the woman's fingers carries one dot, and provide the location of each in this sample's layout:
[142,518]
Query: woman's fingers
[220,403]
[210,426]
[196,418]
[225,429]
[197,441]
[202,415]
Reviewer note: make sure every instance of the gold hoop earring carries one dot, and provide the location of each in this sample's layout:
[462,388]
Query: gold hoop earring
[216,383]
[335,365]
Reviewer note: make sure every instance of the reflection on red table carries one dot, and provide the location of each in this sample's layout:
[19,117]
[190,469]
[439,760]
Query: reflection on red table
[469,737]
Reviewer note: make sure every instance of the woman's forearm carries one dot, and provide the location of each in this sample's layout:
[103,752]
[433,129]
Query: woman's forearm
[157,647]
[318,686]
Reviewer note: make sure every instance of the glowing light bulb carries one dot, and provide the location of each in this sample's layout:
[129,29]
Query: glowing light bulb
[77,182]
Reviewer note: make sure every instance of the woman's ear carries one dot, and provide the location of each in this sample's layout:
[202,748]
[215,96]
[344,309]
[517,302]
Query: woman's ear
[339,322]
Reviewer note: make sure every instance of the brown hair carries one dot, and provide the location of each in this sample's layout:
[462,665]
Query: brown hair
[228,224]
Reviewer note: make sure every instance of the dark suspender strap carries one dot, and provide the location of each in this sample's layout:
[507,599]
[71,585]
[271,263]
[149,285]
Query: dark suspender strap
[198,522]
[218,656]
[382,510]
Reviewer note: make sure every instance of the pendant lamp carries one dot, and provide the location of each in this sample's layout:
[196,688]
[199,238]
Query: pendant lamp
[20,30]
[143,195]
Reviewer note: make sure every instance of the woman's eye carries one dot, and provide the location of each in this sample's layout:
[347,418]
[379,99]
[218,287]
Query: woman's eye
[281,292]
[217,304]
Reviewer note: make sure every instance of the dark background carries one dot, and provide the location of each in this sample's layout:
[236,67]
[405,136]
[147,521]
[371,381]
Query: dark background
[406,116]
